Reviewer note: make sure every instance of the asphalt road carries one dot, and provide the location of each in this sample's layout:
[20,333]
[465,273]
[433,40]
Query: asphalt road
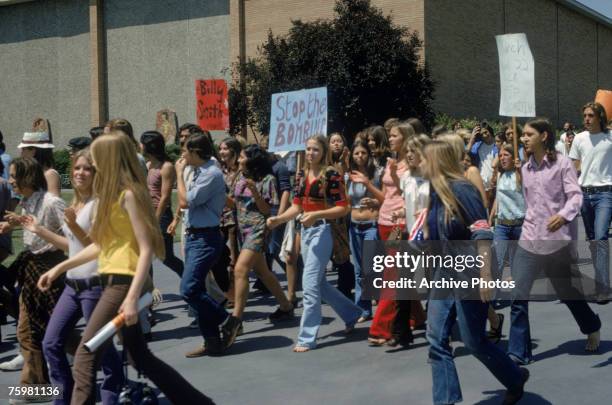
[261,368]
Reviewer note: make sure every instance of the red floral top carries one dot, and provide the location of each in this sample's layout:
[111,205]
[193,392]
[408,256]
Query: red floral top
[310,195]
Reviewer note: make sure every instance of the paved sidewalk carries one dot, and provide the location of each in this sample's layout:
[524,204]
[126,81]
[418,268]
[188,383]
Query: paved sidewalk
[261,368]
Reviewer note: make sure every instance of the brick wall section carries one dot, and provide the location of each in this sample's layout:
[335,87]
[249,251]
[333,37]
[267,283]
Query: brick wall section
[539,22]
[571,59]
[462,56]
[577,63]
[262,15]
[604,59]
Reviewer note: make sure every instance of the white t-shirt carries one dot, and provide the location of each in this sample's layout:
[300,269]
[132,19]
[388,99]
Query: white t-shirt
[486,156]
[560,147]
[416,197]
[83,219]
[595,154]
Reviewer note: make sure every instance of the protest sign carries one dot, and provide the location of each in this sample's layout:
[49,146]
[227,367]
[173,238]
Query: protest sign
[295,116]
[516,73]
[212,106]
[166,124]
[604,97]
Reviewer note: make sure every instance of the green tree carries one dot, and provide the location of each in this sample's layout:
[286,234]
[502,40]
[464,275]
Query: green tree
[370,65]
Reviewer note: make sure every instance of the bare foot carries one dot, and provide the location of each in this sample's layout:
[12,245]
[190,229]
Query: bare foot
[300,349]
[377,341]
[592,344]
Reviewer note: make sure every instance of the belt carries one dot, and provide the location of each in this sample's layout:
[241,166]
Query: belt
[596,189]
[362,226]
[83,284]
[510,222]
[318,222]
[192,230]
[108,280]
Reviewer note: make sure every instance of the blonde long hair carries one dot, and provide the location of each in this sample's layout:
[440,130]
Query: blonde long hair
[118,170]
[442,166]
[79,198]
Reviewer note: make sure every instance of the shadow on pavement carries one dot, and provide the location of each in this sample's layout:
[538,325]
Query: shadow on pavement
[258,343]
[574,348]
[496,398]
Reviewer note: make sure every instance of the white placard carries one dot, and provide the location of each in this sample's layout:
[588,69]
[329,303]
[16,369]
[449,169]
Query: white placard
[295,116]
[516,74]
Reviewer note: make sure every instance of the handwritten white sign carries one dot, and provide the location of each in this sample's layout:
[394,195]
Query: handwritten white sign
[516,74]
[295,116]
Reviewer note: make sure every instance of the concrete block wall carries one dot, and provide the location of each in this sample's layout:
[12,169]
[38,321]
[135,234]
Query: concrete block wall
[44,69]
[156,51]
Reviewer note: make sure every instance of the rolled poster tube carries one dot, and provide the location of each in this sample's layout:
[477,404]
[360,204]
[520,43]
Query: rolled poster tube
[114,325]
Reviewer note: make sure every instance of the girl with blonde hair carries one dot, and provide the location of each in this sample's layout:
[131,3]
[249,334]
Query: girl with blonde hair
[381,330]
[125,235]
[82,291]
[320,198]
[456,212]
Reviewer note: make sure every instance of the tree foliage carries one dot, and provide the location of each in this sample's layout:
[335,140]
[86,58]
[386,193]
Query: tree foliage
[370,65]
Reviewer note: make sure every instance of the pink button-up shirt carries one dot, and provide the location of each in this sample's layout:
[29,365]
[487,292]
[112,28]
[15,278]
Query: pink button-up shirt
[549,189]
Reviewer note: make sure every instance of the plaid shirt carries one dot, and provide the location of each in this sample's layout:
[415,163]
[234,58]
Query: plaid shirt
[49,212]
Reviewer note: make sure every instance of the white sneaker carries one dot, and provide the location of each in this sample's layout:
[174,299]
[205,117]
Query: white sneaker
[15,364]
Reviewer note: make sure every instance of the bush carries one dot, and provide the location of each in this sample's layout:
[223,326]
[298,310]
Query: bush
[370,65]
[61,159]
[173,151]
[467,123]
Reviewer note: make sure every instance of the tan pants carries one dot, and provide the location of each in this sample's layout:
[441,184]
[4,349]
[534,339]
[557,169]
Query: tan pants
[168,380]
[34,365]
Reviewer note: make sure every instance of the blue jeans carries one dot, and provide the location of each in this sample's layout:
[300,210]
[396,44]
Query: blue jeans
[557,267]
[316,249]
[471,317]
[275,241]
[356,238]
[597,214]
[202,250]
[65,316]
[171,261]
[502,234]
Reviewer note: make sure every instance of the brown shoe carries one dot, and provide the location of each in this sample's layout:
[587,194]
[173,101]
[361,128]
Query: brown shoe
[199,352]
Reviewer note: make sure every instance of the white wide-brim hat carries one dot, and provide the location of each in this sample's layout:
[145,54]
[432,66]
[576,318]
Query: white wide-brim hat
[36,140]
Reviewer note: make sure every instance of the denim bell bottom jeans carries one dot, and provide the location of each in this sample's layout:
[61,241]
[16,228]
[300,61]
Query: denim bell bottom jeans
[316,246]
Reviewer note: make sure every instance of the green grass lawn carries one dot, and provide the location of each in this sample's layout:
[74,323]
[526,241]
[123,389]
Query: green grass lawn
[67,196]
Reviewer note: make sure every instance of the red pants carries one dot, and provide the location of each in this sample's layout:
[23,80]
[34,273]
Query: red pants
[386,312]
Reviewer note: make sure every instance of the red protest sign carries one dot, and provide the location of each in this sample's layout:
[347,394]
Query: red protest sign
[211,104]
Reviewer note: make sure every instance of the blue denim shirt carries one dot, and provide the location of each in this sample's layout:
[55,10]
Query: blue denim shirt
[472,210]
[205,197]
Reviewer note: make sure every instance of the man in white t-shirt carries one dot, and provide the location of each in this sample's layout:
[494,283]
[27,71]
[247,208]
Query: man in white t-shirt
[592,155]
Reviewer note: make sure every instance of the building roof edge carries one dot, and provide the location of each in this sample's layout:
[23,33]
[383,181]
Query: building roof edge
[587,11]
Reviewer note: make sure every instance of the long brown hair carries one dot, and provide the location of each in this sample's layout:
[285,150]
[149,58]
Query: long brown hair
[600,111]
[544,125]
[442,166]
[118,170]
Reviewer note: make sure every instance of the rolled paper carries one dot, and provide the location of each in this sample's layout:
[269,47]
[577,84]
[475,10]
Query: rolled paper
[114,325]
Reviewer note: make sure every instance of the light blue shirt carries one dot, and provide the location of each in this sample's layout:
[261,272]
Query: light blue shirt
[510,200]
[205,196]
[6,161]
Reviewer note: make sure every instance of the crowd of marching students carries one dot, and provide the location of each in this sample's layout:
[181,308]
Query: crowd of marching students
[241,208]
